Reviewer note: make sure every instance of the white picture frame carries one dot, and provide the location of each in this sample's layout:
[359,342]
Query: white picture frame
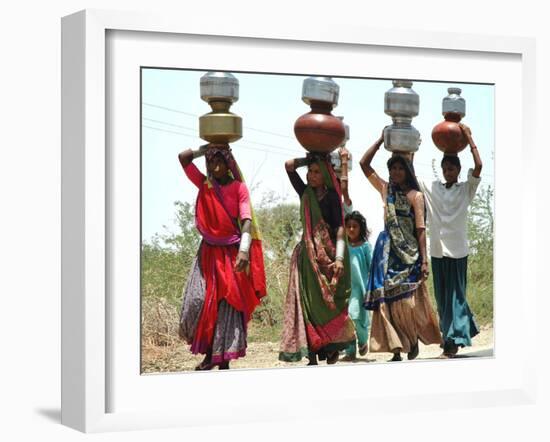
[87,213]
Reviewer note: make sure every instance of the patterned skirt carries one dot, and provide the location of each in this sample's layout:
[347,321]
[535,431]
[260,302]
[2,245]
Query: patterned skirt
[306,328]
[229,341]
[399,325]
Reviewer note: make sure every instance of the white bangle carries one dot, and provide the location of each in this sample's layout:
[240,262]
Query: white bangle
[340,248]
[246,240]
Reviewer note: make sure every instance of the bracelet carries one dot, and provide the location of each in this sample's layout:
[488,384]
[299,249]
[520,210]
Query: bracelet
[344,178]
[246,240]
[340,248]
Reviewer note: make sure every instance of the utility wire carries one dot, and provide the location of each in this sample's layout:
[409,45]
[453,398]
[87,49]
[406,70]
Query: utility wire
[195,115]
[353,152]
[425,179]
[194,137]
[195,131]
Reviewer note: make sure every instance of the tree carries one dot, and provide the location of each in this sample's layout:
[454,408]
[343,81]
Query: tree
[480,260]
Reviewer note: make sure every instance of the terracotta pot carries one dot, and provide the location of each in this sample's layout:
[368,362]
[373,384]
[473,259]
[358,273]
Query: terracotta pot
[319,131]
[448,136]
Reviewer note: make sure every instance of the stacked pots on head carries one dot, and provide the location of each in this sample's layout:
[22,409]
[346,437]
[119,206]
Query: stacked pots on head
[220,90]
[447,135]
[401,103]
[319,131]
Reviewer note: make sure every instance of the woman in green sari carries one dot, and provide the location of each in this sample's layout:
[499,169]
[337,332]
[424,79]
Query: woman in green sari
[316,321]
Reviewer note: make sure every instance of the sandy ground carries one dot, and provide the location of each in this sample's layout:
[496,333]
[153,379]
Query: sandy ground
[265,355]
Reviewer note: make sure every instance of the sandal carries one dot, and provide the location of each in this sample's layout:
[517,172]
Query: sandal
[414,352]
[204,366]
[363,349]
[396,358]
[332,358]
[312,358]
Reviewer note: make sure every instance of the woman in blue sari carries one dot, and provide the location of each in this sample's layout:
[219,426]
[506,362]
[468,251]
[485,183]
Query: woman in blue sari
[396,290]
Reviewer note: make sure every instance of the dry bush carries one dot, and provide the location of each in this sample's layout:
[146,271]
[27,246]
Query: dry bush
[159,322]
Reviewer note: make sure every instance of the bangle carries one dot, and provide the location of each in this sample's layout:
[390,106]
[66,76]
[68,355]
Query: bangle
[340,248]
[299,162]
[246,240]
[344,178]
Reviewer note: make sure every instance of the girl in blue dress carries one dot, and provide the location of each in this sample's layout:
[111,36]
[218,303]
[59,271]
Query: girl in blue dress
[360,252]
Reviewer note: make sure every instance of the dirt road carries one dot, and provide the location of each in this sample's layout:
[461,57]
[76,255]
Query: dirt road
[265,355]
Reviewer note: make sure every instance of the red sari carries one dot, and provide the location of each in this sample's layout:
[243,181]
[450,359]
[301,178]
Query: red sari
[217,255]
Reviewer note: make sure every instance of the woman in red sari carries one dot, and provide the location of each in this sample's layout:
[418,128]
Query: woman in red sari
[227,279]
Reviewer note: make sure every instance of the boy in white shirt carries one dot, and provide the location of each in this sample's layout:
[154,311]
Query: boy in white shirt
[447,206]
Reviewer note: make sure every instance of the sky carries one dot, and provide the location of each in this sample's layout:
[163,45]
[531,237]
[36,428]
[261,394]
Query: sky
[269,104]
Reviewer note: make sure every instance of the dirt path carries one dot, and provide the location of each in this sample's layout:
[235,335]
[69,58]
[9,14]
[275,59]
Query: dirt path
[265,355]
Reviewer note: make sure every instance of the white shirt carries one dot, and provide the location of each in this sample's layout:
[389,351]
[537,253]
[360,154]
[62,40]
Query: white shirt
[447,210]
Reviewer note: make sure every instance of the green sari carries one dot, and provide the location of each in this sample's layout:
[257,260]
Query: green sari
[316,311]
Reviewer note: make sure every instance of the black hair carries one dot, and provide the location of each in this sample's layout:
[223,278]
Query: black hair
[410,174]
[452,159]
[356,216]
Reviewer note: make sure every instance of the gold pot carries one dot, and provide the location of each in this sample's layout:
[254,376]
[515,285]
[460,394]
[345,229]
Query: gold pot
[220,125]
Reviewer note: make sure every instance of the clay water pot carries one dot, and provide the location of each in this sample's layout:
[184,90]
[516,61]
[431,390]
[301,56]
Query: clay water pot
[448,136]
[319,131]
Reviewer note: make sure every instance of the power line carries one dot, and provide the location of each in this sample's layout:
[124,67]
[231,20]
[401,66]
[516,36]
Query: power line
[171,124]
[354,152]
[196,116]
[194,137]
[169,109]
[195,131]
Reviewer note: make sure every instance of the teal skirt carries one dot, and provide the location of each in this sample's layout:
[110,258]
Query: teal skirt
[456,320]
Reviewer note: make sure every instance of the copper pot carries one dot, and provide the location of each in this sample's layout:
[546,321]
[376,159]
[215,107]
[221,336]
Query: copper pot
[448,136]
[319,131]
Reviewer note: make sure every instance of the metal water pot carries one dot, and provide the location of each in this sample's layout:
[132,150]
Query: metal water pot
[220,90]
[401,103]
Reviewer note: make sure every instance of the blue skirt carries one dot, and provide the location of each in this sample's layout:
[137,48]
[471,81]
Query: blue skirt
[456,320]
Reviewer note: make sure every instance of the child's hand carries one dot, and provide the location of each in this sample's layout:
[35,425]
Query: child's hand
[344,154]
